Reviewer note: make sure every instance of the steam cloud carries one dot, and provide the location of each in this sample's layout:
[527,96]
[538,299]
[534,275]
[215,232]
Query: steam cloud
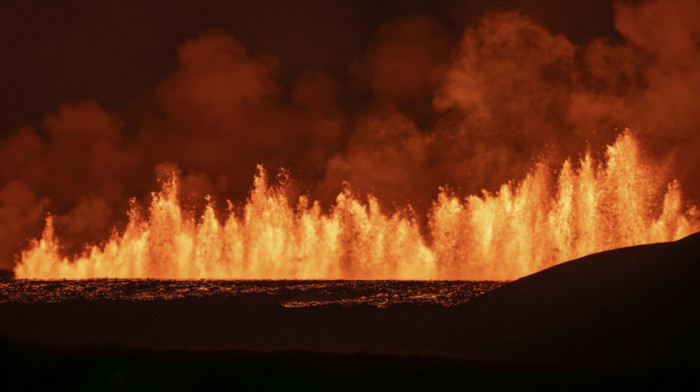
[470,112]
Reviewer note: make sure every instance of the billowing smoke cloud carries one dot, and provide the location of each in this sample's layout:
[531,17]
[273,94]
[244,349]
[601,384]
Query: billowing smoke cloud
[222,113]
[512,91]
[77,166]
[429,110]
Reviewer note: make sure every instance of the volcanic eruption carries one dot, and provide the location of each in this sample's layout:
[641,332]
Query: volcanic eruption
[245,193]
[525,226]
[489,155]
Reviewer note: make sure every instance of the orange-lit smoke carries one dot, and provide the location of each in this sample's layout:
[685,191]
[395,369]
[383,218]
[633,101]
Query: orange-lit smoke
[418,105]
[526,226]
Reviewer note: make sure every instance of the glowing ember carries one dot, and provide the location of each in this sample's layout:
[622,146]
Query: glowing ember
[287,293]
[522,228]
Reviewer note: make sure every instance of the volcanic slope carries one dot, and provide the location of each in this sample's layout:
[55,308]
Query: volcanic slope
[635,307]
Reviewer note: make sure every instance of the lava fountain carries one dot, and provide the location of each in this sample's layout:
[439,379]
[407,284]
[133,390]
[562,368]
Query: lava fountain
[546,218]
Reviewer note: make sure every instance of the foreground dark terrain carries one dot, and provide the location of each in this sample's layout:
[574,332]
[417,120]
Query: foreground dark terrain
[623,318]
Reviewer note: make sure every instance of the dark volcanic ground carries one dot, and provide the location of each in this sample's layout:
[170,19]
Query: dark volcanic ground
[287,293]
[630,316]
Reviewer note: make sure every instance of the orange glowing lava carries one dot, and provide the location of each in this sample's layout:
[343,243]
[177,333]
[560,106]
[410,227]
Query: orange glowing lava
[524,227]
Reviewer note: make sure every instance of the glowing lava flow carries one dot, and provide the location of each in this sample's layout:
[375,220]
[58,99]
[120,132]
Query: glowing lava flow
[522,228]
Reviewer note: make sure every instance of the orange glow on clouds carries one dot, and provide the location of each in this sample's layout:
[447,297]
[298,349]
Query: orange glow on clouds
[525,226]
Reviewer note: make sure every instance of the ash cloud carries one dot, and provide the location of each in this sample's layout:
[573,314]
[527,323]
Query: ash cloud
[416,106]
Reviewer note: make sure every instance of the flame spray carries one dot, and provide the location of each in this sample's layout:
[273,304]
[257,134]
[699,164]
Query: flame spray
[522,228]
